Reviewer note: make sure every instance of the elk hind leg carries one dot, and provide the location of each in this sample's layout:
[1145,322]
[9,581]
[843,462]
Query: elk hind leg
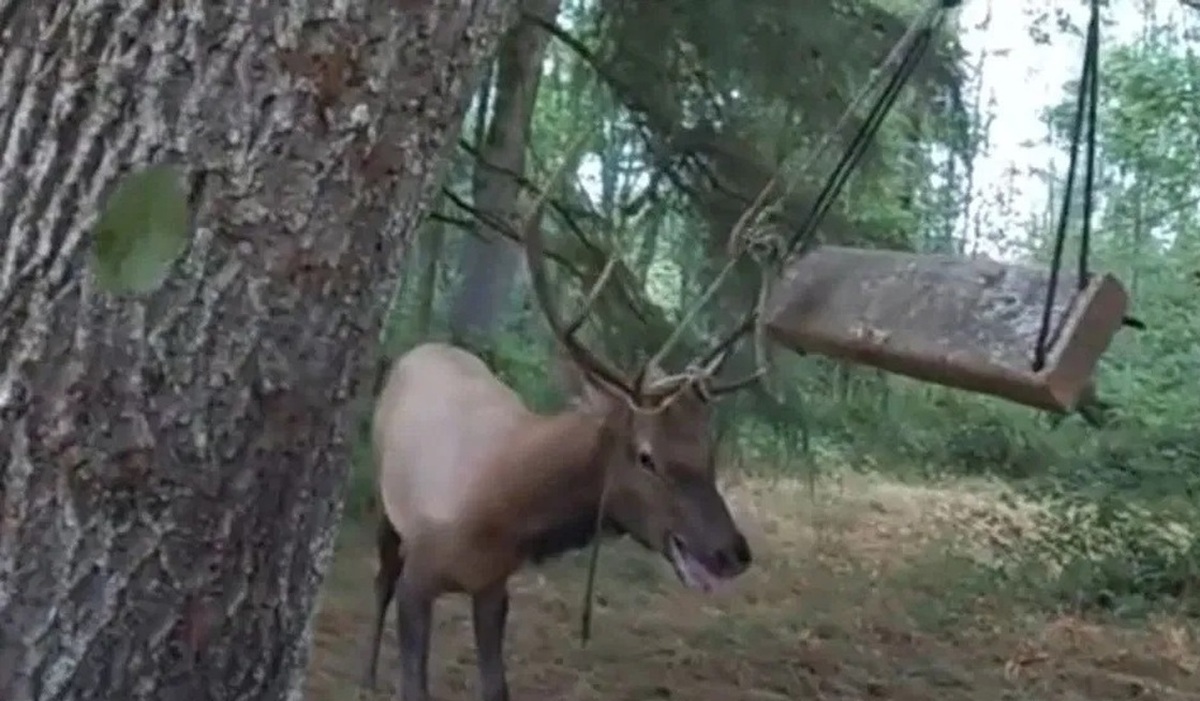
[391,565]
[414,625]
[489,611]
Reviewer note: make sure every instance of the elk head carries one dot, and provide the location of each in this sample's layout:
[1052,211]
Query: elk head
[657,447]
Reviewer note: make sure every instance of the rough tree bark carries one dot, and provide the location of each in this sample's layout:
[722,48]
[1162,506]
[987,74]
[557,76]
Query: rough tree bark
[171,468]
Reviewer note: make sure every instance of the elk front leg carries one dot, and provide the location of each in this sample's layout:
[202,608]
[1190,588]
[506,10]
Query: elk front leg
[414,624]
[489,611]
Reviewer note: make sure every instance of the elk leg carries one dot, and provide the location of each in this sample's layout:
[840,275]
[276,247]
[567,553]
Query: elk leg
[391,564]
[489,611]
[414,624]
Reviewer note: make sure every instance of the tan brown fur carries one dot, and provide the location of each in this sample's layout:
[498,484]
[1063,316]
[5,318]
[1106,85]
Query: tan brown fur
[547,473]
[542,472]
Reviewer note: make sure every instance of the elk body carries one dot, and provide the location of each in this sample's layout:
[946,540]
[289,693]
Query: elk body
[473,485]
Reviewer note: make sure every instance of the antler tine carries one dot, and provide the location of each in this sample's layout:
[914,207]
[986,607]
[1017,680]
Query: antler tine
[566,333]
[735,334]
[749,324]
[716,390]
[531,235]
[711,362]
[676,381]
[592,295]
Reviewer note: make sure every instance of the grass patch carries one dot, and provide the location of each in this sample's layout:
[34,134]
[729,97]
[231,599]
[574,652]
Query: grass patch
[863,588]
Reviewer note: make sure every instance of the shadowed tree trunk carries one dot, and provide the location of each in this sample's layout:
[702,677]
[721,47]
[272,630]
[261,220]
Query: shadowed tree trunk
[431,248]
[171,468]
[490,261]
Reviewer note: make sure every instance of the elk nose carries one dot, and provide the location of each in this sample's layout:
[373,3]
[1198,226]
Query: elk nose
[734,558]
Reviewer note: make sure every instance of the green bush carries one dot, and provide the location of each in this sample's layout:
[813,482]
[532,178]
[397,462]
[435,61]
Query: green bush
[1110,554]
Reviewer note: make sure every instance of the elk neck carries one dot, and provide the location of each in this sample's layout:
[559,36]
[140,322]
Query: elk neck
[553,479]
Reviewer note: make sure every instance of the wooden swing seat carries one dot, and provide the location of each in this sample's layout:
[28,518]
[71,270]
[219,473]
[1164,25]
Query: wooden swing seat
[970,324]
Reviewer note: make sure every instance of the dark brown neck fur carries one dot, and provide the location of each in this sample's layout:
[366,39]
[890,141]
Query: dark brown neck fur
[557,489]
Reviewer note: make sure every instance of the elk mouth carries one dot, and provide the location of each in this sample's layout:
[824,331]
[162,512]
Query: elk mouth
[691,570]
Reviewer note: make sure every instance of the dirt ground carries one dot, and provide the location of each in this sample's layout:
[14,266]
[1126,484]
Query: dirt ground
[857,593]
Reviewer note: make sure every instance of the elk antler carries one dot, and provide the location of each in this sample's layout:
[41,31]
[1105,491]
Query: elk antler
[591,364]
[767,248]
[642,392]
[700,373]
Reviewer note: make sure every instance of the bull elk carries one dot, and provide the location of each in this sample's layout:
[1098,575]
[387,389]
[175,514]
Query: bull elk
[474,484]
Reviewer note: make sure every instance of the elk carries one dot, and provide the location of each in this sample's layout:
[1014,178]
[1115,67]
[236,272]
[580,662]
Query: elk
[473,484]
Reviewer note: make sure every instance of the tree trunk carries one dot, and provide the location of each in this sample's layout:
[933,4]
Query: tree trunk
[490,261]
[431,256]
[171,468]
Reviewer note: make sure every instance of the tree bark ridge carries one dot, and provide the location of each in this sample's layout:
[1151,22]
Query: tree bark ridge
[171,468]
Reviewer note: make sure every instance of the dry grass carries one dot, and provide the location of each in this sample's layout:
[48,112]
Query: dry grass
[853,596]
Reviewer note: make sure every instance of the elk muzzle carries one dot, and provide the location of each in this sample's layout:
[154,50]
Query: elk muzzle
[705,546]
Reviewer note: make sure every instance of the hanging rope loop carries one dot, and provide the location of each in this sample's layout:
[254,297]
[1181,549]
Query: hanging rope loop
[1085,105]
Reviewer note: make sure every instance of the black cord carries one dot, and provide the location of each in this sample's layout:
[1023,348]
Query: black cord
[1089,175]
[1088,88]
[865,134]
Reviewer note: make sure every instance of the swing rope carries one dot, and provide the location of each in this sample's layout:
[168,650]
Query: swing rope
[908,53]
[1085,104]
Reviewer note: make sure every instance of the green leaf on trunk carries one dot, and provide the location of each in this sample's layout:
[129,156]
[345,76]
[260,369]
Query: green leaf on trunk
[141,232]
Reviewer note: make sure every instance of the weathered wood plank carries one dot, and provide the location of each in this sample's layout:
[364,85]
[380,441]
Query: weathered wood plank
[970,324]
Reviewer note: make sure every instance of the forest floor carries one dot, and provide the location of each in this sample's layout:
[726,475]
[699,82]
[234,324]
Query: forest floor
[860,590]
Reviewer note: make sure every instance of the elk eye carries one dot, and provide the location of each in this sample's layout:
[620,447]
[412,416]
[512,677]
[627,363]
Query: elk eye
[646,460]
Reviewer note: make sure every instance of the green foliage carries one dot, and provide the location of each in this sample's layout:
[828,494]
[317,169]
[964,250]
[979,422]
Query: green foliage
[142,229]
[1109,554]
[1120,506]
[525,365]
